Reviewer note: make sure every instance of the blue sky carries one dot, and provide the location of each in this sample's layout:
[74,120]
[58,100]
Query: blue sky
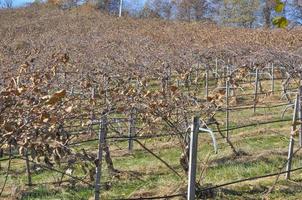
[127,3]
[18,3]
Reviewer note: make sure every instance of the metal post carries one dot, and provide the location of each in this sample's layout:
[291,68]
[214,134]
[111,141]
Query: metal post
[120,8]
[72,91]
[273,78]
[292,141]
[289,157]
[92,118]
[93,93]
[227,70]
[190,79]
[300,115]
[193,159]
[197,72]
[102,133]
[131,130]
[105,79]
[250,77]
[197,75]
[65,74]
[256,89]
[216,68]
[227,94]
[207,83]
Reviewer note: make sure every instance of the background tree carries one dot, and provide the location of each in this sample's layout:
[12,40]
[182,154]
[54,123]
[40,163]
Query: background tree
[148,12]
[191,9]
[7,3]
[199,7]
[267,12]
[239,12]
[295,12]
[158,8]
[167,8]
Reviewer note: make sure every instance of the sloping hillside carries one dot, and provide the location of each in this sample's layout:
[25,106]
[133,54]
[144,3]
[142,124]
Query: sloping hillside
[95,39]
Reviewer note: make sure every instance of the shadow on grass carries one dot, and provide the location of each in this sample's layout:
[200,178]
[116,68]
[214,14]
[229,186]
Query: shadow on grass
[282,189]
[79,192]
[245,158]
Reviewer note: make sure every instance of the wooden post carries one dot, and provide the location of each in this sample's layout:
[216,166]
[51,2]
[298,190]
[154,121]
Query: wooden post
[273,78]
[207,83]
[227,94]
[284,87]
[292,141]
[102,133]
[193,159]
[131,129]
[256,89]
[29,180]
[82,74]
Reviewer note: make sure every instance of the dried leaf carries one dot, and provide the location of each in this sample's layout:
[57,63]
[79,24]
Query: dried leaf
[69,109]
[56,97]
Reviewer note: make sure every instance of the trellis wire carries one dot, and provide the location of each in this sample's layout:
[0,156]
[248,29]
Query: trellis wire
[131,137]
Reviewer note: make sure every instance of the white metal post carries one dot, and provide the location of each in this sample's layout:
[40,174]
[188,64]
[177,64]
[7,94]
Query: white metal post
[227,94]
[300,115]
[273,78]
[193,159]
[207,83]
[121,8]
[216,68]
[256,89]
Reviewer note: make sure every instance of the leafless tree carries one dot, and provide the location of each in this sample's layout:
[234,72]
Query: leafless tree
[296,12]
[158,8]
[7,3]
[267,12]
[239,12]
[191,9]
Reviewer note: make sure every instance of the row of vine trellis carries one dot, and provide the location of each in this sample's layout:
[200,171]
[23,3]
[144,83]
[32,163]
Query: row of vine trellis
[46,113]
